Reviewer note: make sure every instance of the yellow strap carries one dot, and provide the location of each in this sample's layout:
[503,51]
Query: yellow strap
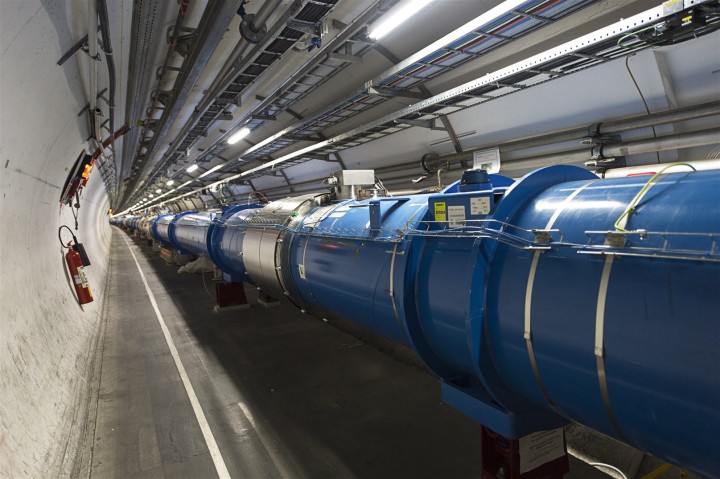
[660,471]
[622,221]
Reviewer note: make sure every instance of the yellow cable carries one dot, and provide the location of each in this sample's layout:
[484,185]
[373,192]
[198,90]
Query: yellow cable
[633,204]
[660,471]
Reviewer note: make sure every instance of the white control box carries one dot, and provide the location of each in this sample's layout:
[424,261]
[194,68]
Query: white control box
[355,177]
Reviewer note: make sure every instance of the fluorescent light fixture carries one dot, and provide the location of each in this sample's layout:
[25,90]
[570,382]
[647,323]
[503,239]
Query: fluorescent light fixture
[490,16]
[151,195]
[397,16]
[212,170]
[158,190]
[170,182]
[192,168]
[239,135]
[289,156]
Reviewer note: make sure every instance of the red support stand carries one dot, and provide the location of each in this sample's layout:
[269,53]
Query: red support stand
[540,455]
[230,296]
[166,254]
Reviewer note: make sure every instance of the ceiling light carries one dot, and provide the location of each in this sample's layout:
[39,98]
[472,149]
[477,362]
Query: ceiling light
[151,195]
[238,135]
[212,170]
[158,190]
[192,168]
[396,17]
[170,182]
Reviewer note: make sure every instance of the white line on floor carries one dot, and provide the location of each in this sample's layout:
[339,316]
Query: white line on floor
[202,421]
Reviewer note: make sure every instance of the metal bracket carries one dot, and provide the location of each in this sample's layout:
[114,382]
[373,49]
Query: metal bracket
[247,32]
[392,92]
[263,117]
[162,96]
[430,124]
[318,29]
[615,239]
[86,49]
[182,40]
[160,72]
[597,138]
[542,236]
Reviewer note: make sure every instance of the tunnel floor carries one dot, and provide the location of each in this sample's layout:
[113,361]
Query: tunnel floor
[282,394]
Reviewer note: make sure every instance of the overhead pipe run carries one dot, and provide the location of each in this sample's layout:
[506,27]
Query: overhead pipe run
[651,145]
[92,52]
[254,25]
[603,129]
[619,126]
[202,107]
[107,47]
[213,24]
[582,154]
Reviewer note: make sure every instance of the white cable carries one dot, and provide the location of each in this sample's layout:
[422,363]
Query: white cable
[602,464]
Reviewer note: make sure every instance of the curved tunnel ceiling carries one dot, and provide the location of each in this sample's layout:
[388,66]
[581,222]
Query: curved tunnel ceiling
[307,112]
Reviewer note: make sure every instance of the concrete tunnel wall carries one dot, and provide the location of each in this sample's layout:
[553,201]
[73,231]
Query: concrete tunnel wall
[48,341]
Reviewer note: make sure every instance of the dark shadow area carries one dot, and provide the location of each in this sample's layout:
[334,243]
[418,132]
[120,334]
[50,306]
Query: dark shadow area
[300,398]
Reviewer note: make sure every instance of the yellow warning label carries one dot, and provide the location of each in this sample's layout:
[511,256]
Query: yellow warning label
[440,212]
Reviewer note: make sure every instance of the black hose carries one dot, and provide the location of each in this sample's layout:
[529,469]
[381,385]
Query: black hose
[107,47]
[60,236]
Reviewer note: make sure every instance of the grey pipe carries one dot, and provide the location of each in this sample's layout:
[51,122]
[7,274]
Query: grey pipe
[617,126]
[215,19]
[107,46]
[682,114]
[651,145]
[92,51]
[257,23]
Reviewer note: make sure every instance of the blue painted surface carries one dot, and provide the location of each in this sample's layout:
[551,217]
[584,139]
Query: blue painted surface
[188,231]
[224,241]
[661,318]
[172,237]
[458,295]
[346,266]
[161,228]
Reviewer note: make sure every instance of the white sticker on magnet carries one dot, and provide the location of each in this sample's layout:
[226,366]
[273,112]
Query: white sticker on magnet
[480,206]
[456,216]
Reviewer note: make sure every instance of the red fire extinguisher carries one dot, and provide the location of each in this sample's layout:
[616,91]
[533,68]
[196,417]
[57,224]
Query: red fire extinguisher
[77,260]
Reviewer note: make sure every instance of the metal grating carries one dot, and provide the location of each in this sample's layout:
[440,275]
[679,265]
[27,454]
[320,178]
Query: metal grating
[527,18]
[309,77]
[598,47]
[587,51]
[277,42]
